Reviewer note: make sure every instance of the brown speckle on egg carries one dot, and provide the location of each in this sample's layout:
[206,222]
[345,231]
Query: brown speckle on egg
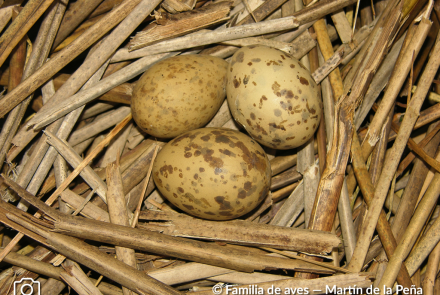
[236,83]
[303,81]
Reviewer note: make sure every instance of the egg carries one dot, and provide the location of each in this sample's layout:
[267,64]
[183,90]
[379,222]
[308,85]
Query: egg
[273,96]
[179,94]
[213,173]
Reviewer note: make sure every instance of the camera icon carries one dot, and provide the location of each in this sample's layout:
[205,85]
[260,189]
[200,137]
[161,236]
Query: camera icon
[26,286]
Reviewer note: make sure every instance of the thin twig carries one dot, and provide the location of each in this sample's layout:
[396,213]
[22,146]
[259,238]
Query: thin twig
[355,16]
[419,150]
[144,188]
[324,264]
[86,200]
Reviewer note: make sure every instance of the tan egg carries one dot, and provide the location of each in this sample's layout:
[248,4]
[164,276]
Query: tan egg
[178,94]
[273,96]
[213,173]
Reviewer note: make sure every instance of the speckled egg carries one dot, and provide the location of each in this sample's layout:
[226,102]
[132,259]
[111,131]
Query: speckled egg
[213,173]
[179,94]
[273,96]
